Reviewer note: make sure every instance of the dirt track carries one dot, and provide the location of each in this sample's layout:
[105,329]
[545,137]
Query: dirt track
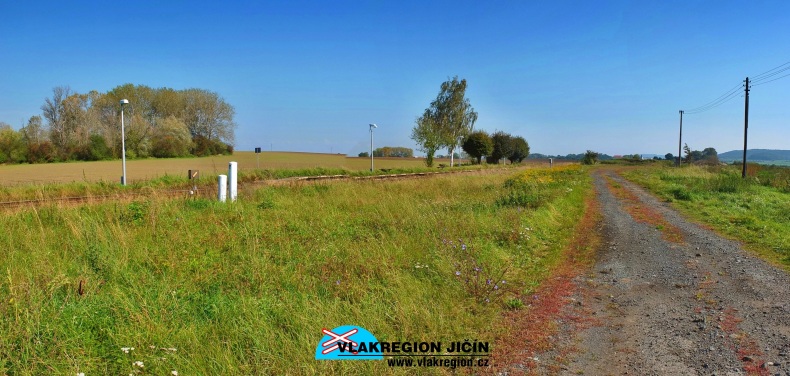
[695,305]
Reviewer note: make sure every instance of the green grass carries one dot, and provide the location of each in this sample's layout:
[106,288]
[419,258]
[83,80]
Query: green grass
[245,288]
[755,210]
[778,162]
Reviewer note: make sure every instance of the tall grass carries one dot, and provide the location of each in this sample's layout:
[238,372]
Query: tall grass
[755,210]
[245,288]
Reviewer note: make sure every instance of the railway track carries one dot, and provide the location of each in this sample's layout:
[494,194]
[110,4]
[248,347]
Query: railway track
[209,190]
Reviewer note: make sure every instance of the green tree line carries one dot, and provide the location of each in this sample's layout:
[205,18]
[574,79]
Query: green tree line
[496,147]
[158,123]
[449,122]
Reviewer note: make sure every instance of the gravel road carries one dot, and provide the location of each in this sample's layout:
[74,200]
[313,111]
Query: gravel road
[703,306]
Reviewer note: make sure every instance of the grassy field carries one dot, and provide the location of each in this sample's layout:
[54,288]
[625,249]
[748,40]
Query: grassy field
[768,163]
[146,169]
[206,288]
[755,210]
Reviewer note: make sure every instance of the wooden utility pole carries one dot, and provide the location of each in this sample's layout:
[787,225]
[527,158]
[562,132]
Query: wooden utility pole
[745,125]
[680,139]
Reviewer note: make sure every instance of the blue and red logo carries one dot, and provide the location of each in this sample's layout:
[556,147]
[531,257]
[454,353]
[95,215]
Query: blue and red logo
[348,342]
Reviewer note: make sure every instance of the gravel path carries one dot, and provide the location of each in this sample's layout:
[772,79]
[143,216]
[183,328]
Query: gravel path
[701,307]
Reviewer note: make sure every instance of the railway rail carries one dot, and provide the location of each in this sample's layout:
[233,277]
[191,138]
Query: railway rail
[209,190]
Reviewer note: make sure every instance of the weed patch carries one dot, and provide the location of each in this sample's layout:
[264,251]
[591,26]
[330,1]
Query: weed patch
[534,318]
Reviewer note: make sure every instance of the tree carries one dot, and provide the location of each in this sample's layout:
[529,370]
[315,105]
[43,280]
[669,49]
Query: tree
[364,154]
[449,118]
[691,155]
[669,157]
[590,158]
[687,152]
[519,150]
[428,136]
[11,145]
[33,132]
[478,144]
[710,156]
[503,146]
[171,139]
[53,111]
[206,114]
[80,125]
[393,152]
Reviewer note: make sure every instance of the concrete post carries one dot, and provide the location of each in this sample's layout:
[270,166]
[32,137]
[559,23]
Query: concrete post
[222,188]
[233,180]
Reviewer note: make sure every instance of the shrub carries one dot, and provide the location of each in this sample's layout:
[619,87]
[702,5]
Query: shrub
[681,193]
[203,147]
[590,157]
[41,152]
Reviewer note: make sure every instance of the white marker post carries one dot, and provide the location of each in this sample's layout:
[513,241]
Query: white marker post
[222,188]
[233,180]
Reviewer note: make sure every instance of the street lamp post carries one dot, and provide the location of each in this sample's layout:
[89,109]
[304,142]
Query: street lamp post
[460,150]
[123,143]
[371,145]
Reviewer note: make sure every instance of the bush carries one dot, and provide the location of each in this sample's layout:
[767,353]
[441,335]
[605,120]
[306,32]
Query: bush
[590,157]
[680,193]
[99,148]
[41,152]
[203,147]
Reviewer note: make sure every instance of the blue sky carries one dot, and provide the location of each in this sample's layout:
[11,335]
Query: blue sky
[309,76]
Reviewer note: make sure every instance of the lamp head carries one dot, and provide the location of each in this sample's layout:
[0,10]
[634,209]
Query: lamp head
[373,126]
[124,101]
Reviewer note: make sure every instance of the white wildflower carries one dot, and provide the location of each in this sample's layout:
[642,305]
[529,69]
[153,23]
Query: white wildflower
[127,349]
[174,373]
[139,364]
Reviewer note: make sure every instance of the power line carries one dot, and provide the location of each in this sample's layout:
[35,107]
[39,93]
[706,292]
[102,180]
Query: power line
[760,76]
[763,78]
[765,82]
[732,93]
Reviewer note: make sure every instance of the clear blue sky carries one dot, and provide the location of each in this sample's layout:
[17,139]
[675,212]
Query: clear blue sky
[309,76]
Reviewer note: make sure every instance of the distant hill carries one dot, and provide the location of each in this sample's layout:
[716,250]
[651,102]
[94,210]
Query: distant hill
[756,155]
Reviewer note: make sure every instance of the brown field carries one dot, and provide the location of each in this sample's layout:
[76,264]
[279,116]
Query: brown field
[145,169]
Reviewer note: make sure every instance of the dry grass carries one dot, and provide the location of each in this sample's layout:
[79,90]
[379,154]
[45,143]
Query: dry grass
[145,169]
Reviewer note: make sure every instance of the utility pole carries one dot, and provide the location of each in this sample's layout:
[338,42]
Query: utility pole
[680,138]
[745,125]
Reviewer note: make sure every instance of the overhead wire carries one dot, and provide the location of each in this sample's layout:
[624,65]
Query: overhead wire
[765,77]
[759,76]
[728,95]
[765,82]
[760,79]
